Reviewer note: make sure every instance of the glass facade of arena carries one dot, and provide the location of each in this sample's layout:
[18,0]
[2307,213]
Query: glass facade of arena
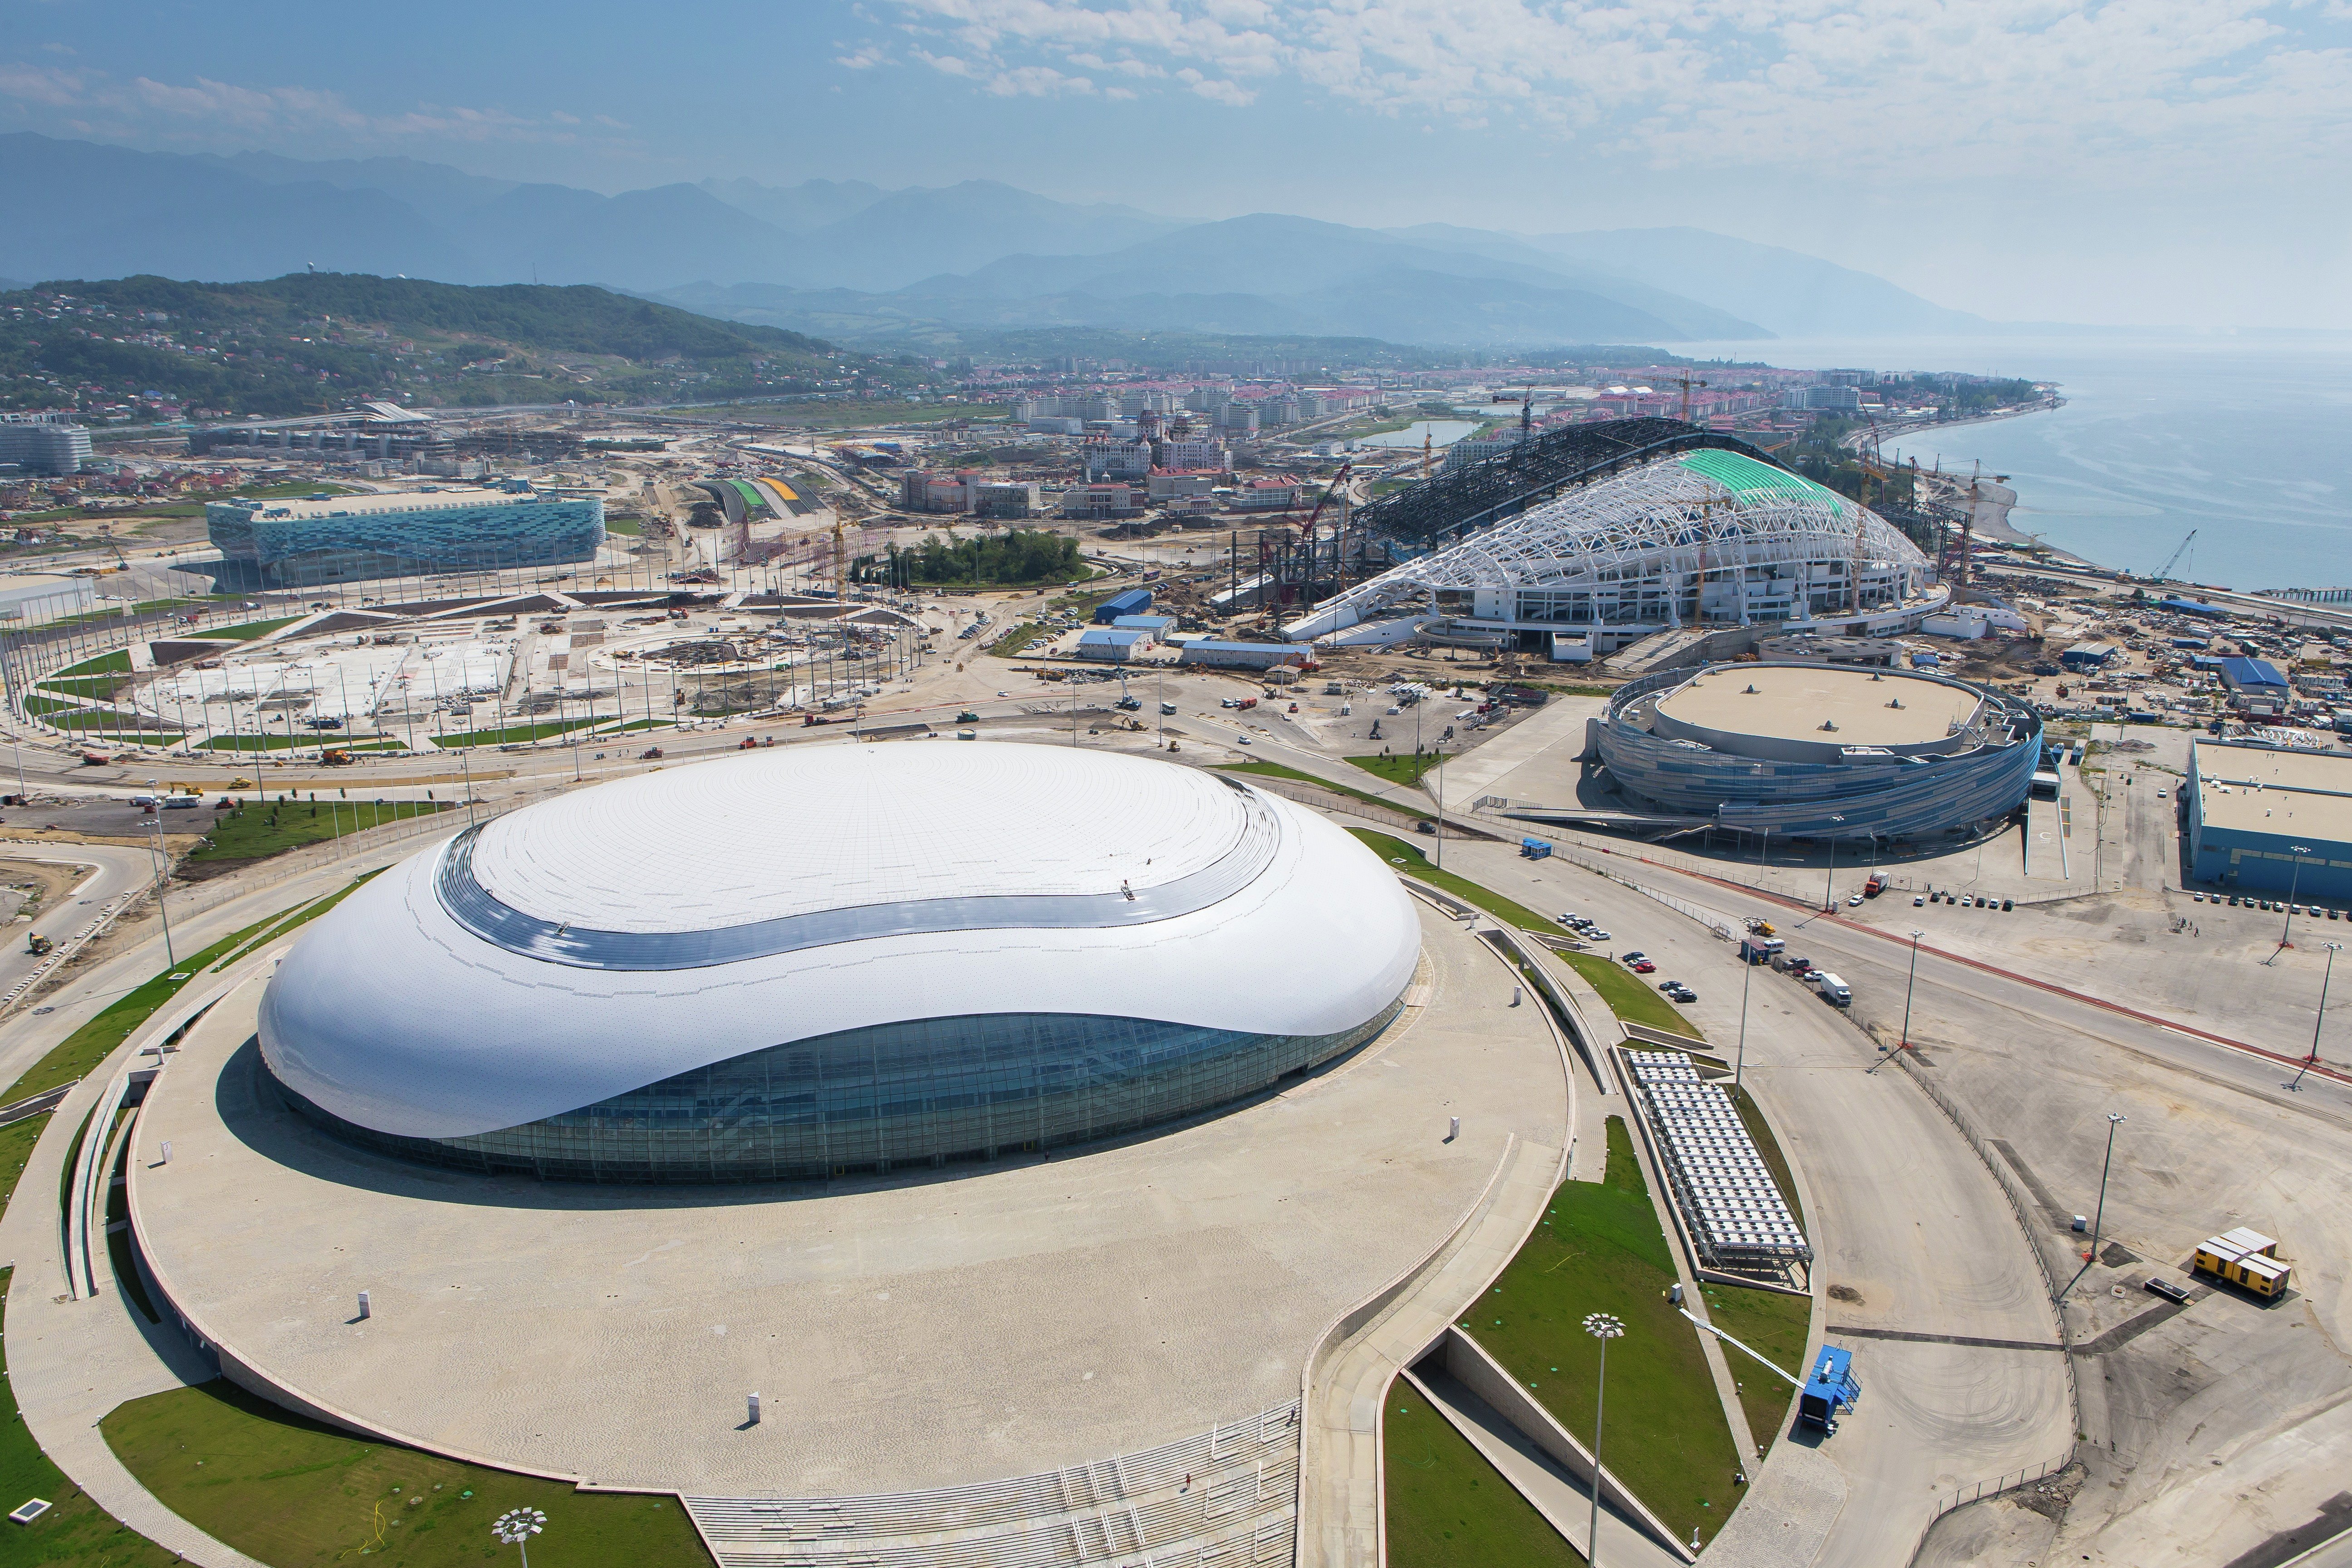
[303,545]
[889,1097]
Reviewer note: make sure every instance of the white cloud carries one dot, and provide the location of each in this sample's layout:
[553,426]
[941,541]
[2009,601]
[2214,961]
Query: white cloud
[200,111]
[2117,88]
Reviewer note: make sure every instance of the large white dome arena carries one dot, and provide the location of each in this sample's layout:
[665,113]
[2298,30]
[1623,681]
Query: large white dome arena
[808,962]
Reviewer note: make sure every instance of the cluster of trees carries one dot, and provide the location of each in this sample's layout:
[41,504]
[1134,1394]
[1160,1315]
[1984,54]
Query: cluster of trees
[1016,557]
[307,342]
[1966,398]
[1818,456]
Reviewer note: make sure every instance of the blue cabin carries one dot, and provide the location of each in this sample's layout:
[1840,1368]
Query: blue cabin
[1830,1390]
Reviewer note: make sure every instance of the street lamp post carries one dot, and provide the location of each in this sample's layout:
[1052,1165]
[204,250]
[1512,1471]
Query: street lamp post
[2325,976]
[2099,1225]
[1605,1328]
[1739,1068]
[516,1526]
[1829,885]
[1907,984]
[2295,881]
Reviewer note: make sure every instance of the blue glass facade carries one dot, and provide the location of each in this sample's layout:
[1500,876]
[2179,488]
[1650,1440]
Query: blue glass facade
[306,542]
[886,1098]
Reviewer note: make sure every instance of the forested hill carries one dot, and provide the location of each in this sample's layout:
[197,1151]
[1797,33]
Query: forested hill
[310,342]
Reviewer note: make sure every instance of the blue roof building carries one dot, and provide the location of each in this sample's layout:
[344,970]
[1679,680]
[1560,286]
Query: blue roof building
[1111,643]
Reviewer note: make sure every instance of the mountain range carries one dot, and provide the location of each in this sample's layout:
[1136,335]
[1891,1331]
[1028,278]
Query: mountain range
[854,262]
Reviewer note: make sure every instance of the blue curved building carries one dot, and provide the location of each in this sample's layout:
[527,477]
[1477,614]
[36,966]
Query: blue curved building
[333,539]
[1821,750]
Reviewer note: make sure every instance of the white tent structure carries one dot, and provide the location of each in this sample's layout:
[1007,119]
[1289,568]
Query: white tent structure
[1706,538]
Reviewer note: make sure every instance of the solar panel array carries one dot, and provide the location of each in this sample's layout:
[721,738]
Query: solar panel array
[1734,1209]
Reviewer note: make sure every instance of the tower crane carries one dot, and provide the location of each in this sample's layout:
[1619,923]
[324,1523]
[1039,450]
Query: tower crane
[1685,383]
[2173,559]
[1527,402]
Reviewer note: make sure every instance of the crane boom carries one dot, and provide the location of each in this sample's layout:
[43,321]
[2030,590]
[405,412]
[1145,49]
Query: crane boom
[2173,559]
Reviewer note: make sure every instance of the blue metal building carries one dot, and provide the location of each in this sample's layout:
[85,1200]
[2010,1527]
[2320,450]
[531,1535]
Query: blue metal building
[1133,602]
[2262,819]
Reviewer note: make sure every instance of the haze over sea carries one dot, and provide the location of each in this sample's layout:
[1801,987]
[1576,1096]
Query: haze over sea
[2246,439]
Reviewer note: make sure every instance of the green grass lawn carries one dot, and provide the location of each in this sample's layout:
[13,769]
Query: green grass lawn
[1277,771]
[1400,767]
[1631,996]
[295,1493]
[1415,862]
[294,742]
[1775,1326]
[1010,645]
[1600,1250]
[75,1530]
[515,733]
[628,525]
[246,633]
[97,688]
[116,663]
[1446,1506]
[271,828]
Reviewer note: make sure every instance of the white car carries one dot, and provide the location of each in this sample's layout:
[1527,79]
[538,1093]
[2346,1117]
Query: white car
[1854,903]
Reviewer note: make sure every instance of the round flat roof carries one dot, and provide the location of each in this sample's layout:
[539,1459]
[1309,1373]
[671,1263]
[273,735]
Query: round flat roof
[1793,703]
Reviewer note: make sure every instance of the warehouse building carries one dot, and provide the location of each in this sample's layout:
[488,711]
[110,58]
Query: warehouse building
[1219,654]
[2270,821]
[1116,643]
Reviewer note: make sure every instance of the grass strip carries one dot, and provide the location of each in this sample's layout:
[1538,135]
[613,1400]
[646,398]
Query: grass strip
[271,828]
[296,1493]
[1598,1249]
[1277,771]
[1409,858]
[1627,996]
[1776,1327]
[1446,1506]
[515,734]
[1400,767]
[1010,644]
[327,742]
[116,663]
[91,1044]
[246,633]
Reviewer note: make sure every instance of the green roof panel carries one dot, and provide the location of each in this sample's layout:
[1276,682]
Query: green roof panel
[1745,477]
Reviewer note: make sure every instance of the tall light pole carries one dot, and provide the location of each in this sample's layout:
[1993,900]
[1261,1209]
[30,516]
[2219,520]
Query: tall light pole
[1907,984]
[2099,1225]
[1605,1328]
[2333,949]
[2295,881]
[516,1527]
[159,857]
[1829,885]
[1739,1068]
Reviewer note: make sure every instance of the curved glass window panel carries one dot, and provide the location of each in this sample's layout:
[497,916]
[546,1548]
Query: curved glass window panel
[889,1097]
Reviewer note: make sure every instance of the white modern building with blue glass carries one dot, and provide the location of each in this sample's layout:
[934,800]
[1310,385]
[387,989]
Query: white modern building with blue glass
[332,539]
[845,960]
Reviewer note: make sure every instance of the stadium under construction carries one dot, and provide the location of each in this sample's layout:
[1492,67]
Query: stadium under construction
[1590,539]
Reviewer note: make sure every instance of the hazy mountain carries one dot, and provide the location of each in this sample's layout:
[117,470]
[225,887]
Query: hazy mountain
[109,212]
[857,260]
[796,209]
[438,193]
[1794,294]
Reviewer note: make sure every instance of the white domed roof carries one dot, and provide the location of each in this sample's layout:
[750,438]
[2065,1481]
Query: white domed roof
[767,834]
[616,936]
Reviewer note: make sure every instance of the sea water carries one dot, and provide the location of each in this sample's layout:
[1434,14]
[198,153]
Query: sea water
[2247,440]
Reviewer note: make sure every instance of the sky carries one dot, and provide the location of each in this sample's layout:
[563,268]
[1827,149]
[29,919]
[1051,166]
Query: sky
[2131,162]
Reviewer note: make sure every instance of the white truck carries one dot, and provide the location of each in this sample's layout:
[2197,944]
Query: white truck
[1835,992]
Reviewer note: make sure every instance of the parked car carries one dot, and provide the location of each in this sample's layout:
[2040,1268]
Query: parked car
[1915,903]
[1645,966]
[1854,903]
[1670,984]
[1682,994]
[1634,957]
[1593,934]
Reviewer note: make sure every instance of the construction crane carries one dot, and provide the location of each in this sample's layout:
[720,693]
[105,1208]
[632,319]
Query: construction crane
[2174,559]
[1685,383]
[1527,402]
